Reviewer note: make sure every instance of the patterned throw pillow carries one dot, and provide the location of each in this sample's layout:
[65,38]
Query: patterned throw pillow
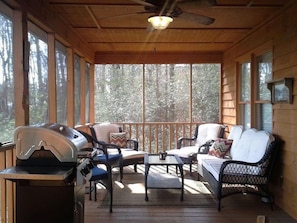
[220,147]
[118,138]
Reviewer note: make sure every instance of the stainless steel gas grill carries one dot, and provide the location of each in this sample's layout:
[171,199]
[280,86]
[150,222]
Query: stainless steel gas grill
[48,186]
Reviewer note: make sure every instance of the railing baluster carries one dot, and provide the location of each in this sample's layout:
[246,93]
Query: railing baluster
[154,137]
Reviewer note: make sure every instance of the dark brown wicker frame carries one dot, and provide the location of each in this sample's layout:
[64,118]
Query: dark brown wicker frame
[131,143]
[236,182]
[184,141]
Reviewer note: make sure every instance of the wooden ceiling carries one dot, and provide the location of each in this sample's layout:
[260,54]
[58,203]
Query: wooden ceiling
[117,26]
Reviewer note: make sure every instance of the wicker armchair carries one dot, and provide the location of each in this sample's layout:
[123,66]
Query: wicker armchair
[128,147]
[187,148]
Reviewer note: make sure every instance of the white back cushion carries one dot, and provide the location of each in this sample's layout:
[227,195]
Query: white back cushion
[235,134]
[258,146]
[207,132]
[103,131]
[252,145]
[241,149]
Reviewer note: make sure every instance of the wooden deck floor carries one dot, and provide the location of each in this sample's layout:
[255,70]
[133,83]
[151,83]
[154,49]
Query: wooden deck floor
[237,208]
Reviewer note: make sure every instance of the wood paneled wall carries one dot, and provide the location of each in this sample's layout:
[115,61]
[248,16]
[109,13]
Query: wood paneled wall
[282,33]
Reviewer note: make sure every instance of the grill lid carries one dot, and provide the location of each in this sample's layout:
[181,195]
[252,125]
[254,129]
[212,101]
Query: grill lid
[64,142]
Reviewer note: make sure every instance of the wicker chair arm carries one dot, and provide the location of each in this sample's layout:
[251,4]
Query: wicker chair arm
[203,149]
[242,172]
[237,162]
[132,143]
[100,145]
[185,141]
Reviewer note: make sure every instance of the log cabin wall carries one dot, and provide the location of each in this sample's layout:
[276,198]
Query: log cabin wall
[281,35]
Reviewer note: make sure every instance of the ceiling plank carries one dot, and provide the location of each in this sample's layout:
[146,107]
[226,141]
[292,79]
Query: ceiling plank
[93,16]
[121,25]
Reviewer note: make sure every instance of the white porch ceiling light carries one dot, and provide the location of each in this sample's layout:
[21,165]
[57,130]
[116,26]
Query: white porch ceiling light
[160,22]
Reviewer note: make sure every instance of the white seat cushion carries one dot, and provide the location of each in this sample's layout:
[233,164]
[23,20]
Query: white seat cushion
[127,153]
[131,153]
[184,152]
[200,158]
[213,166]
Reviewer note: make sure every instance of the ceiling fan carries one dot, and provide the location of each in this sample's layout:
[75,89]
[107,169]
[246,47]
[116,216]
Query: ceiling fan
[168,9]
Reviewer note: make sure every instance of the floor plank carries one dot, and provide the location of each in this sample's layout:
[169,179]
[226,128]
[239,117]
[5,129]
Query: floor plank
[237,208]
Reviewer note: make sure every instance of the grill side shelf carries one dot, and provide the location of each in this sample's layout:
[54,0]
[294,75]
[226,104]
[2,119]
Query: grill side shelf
[35,173]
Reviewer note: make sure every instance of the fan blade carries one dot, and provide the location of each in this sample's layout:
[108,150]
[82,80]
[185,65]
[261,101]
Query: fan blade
[124,15]
[149,27]
[144,3]
[197,2]
[196,18]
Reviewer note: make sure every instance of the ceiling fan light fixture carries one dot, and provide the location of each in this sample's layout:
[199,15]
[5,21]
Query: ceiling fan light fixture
[160,22]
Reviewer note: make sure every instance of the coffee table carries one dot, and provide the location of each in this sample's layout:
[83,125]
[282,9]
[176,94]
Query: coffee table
[163,180]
